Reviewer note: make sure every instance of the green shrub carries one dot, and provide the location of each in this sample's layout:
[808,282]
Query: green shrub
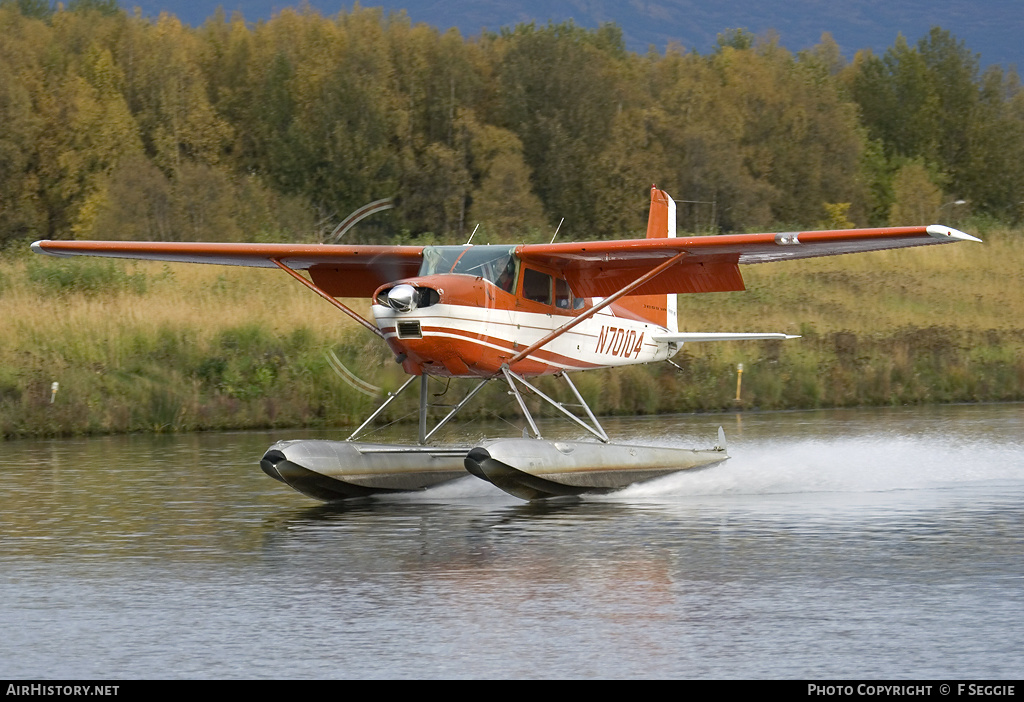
[90,277]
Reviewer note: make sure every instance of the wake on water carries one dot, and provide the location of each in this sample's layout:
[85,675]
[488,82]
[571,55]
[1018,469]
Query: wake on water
[852,477]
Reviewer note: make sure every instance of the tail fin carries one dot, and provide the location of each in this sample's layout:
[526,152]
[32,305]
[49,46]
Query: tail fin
[661,224]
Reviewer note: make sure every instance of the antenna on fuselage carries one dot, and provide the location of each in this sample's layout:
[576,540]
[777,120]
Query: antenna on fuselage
[556,231]
[471,235]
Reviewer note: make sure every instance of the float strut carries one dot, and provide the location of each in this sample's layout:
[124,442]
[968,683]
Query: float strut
[597,430]
[457,407]
[391,397]
[603,436]
[519,398]
[423,407]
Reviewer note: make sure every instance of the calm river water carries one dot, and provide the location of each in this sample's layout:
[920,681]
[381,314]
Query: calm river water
[856,543]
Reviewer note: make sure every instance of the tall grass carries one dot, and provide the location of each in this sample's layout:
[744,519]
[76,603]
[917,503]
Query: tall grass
[175,348]
[153,347]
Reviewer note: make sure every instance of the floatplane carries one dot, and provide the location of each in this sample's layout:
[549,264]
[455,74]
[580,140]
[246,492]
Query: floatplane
[511,314]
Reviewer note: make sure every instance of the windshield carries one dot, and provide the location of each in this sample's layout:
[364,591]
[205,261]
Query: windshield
[493,263]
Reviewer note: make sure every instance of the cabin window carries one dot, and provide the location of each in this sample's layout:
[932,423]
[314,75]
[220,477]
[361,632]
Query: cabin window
[563,296]
[536,286]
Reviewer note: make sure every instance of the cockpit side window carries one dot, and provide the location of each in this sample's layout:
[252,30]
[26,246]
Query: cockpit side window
[536,286]
[507,278]
[440,259]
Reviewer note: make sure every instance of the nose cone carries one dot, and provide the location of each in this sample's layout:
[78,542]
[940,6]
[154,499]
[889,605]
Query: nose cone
[402,298]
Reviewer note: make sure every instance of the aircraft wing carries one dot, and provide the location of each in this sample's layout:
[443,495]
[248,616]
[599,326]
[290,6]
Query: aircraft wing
[600,268]
[342,271]
[593,269]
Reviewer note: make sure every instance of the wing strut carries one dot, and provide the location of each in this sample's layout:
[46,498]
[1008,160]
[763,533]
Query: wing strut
[319,291]
[598,307]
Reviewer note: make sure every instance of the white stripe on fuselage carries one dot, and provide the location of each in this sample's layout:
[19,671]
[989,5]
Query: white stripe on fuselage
[603,340]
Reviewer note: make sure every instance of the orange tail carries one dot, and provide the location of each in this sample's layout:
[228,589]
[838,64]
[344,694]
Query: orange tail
[661,224]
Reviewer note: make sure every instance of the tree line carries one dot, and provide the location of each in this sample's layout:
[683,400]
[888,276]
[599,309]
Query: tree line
[117,126]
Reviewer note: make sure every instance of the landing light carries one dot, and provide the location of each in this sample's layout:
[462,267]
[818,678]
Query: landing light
[402,298]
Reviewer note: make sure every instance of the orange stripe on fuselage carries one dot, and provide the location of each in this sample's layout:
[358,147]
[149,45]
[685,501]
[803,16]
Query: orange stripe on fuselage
[447,352]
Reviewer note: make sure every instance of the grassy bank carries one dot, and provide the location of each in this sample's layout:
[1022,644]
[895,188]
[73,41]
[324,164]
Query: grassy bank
[150,347]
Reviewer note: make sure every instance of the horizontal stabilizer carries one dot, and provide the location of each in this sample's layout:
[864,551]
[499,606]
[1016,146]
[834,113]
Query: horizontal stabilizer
[684,337]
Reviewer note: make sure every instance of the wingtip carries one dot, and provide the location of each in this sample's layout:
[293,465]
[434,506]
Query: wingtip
[47,247]
[940,231]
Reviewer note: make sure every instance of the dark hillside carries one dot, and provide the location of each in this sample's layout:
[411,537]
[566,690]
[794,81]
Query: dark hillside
[992,27]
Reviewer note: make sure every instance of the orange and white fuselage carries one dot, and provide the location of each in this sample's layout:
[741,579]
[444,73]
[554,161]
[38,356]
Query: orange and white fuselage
[474,329]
